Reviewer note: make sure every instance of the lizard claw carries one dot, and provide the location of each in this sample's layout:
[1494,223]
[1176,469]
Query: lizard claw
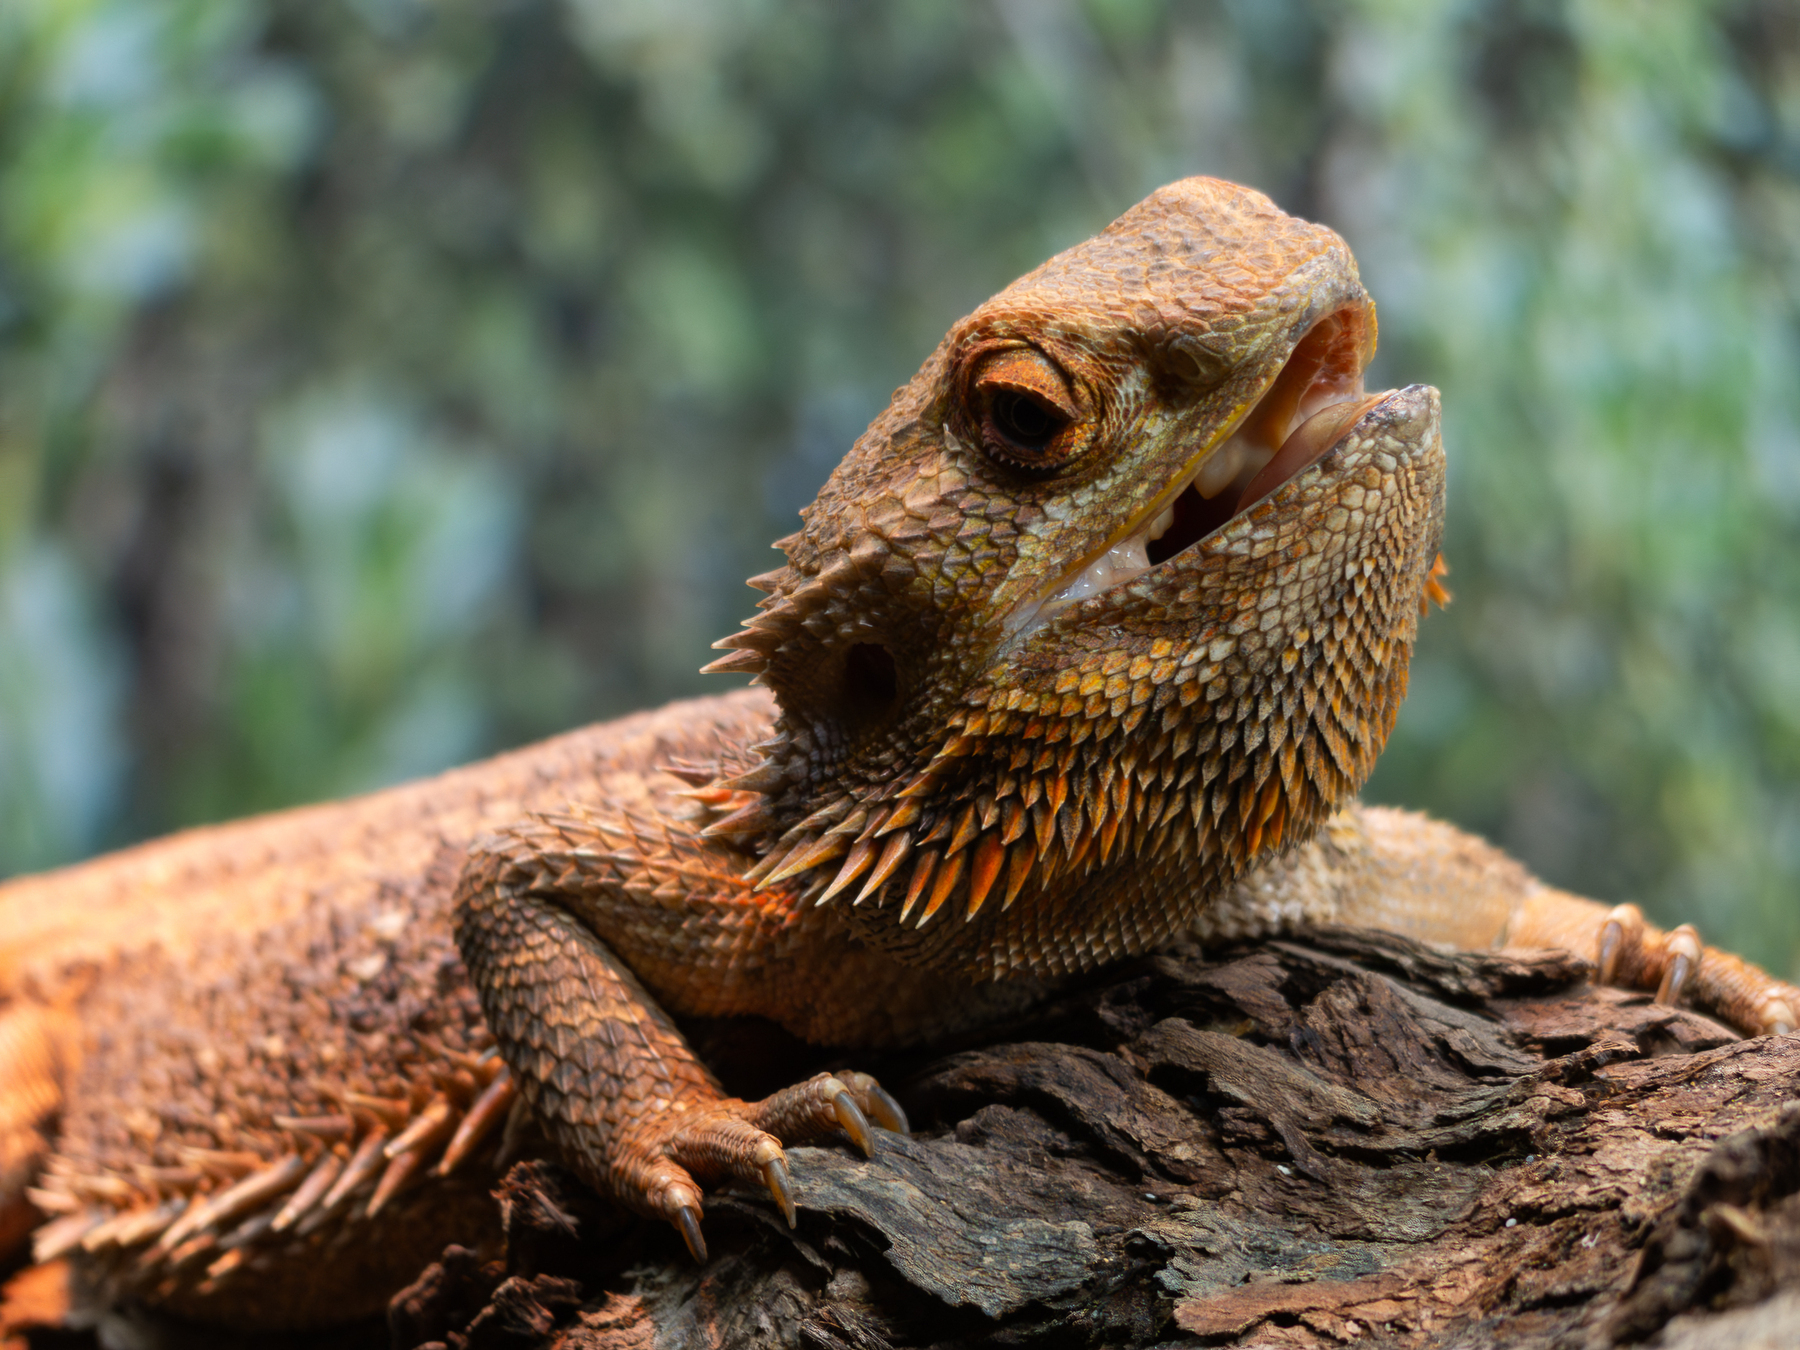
[1683,970]
[1682,951]
[687,1219]
[877,1103]
[854,1122]
[1622,932]
[887,1112]
[661,1165]
[1778,1018]
[780,1184]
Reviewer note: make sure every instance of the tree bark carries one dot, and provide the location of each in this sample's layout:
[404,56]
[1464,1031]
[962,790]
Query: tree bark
[1345,1137]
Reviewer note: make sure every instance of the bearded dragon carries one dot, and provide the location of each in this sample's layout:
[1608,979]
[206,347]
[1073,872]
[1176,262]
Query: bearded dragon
[1088,643]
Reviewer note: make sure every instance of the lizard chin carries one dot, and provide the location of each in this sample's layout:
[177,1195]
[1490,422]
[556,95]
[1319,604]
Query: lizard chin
[1314,404]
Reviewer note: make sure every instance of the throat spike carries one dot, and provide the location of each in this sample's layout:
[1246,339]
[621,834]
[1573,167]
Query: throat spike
[948,875]
[821,852]
[891,857]
[737,663]
[1016,871]
[989,854]
[922,871]
[861,855]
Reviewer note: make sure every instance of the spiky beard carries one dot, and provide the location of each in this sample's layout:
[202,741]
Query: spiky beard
[1119,766]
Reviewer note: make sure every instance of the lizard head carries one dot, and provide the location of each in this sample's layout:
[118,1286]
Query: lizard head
[1115,599]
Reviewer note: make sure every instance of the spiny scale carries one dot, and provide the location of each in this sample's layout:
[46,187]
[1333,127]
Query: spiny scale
[161,1226]
[1195,758]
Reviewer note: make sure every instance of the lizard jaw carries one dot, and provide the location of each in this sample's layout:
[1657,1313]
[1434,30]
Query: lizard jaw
[1313,404]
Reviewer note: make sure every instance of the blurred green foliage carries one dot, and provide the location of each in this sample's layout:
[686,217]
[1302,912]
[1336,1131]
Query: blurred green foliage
[383,382]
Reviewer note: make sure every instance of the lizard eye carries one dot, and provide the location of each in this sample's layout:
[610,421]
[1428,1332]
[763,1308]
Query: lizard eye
[1025,424]
[1024,409]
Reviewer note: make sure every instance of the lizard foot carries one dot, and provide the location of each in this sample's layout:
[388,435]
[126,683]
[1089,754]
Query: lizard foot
[1630,953]
[662,1162]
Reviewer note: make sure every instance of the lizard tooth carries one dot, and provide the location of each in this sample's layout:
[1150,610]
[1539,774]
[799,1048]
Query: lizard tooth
[1229,463]
[1119,563]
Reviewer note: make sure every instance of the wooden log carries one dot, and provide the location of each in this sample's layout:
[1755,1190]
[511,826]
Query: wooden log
[1339,1138]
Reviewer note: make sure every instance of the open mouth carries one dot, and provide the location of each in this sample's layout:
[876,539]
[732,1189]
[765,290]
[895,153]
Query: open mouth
[1312,405]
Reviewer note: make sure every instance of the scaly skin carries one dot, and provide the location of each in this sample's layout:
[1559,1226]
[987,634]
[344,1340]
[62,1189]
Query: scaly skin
[998,747]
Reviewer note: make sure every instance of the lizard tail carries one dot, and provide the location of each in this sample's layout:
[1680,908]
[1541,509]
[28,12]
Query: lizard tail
[37,1055]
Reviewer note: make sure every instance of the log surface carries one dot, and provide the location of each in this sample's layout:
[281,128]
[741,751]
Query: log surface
[1340,1138]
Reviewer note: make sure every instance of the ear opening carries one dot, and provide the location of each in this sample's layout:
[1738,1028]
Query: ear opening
[871,683]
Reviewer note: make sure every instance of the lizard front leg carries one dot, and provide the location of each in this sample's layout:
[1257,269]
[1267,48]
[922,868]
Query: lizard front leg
[544,915]
[1397,870]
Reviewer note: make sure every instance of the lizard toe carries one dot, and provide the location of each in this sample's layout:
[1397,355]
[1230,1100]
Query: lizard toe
[853,1122]
[1621,938]
[829,1103]
[1682,970]
[660,1167]
[781,1185]
[1681,958]
[687,1222]
[876,1102]
[1778,1017]
[666,1190]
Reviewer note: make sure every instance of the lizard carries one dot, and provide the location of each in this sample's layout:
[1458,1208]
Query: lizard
[1088,643]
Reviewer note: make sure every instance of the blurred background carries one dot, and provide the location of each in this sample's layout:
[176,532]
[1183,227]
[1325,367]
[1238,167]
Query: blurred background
[388,382]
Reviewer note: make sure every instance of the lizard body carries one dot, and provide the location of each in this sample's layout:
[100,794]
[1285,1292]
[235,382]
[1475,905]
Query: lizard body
[1090,641]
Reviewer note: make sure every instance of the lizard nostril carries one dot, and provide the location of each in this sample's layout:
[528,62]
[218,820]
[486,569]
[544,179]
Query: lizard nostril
[870,681]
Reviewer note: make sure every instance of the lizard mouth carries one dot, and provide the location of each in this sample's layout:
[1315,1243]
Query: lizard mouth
[1313,404]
